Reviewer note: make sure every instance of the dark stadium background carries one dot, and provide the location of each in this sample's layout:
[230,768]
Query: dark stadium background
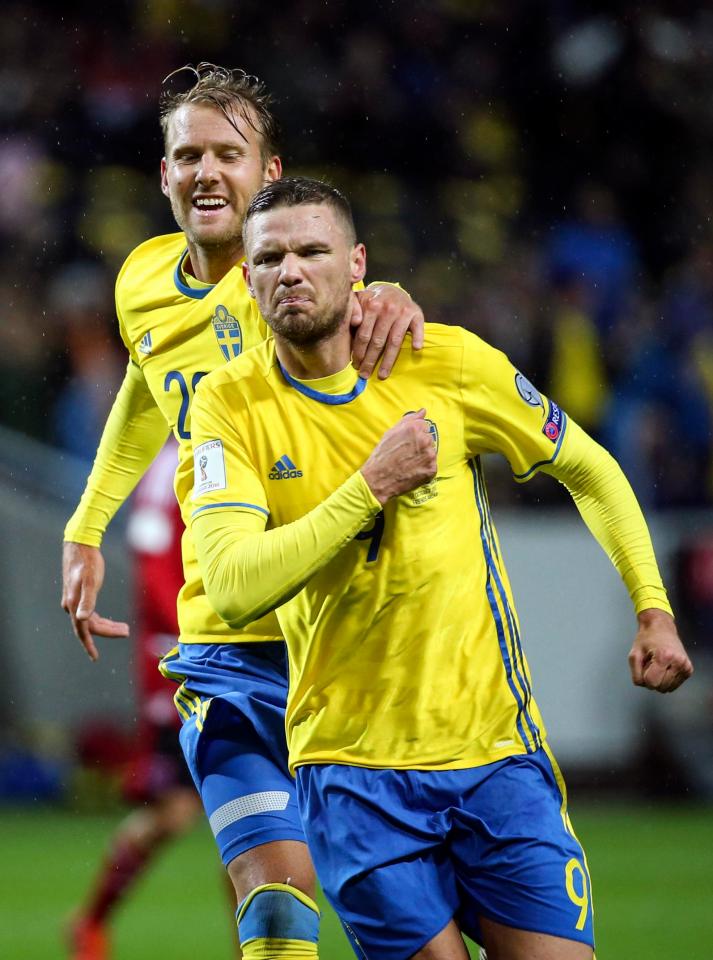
[538,171]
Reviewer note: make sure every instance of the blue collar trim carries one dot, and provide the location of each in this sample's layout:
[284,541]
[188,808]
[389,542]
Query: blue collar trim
[193,292]
[333,399]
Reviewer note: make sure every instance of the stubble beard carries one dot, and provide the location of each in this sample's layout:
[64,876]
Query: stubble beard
[231,237]
[304,330]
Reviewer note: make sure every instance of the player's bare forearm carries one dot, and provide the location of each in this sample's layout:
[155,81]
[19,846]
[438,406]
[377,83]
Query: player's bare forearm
[658,659]
[382,316]
[82,579]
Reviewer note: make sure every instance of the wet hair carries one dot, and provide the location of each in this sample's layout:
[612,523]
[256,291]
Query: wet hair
[295,191]
[234,92]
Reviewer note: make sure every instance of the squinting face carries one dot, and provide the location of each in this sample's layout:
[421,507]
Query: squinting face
[210,173]
[300,267]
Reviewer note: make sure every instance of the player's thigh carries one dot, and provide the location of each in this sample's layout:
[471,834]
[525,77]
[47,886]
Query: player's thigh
[518,861]
[247,791]
[233,739]
[446,945]
[381,864]
[506,943]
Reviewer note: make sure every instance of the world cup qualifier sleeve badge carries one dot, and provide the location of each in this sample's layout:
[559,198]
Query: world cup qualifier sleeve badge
[208,468]
[227,331]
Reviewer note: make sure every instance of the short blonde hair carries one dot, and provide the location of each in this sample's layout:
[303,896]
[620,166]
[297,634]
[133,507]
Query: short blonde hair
[232,91]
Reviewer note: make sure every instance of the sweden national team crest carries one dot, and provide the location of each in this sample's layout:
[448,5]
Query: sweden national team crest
[227,331]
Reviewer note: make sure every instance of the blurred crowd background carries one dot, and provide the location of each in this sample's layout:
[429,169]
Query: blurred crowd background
[539,172]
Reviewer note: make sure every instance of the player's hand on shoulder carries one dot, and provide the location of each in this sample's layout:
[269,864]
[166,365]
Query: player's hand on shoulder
[382,315]
[404,458]
[82,579]
[658,659]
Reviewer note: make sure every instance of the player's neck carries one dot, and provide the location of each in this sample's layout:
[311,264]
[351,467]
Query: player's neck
[315,360]
[210,264]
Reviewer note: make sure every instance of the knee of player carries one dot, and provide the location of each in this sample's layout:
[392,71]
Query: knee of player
[282,915]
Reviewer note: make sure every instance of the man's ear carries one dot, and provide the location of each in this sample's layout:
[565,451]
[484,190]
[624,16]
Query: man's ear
[164,178]
[273,171]
[246,274]
[357,262]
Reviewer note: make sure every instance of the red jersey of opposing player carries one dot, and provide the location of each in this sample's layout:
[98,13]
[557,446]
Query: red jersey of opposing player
[154,534]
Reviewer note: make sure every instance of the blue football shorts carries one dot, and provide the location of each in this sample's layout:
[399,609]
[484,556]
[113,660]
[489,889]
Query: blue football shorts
[231,700]
[401,852]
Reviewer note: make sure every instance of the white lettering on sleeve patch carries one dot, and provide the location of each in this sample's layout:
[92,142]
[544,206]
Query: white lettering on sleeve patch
[208,468]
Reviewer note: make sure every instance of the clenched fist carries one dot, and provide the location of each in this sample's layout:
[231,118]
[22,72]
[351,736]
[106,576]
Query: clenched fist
[404,458]
[657,659]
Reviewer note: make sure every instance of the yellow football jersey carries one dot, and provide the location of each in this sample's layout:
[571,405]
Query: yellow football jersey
[405,649]
[177,330]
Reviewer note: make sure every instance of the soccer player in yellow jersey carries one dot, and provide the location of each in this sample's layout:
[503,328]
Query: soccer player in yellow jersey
[184,310]
[431,802]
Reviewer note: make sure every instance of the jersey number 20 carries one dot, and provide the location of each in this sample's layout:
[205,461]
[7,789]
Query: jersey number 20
[175,376]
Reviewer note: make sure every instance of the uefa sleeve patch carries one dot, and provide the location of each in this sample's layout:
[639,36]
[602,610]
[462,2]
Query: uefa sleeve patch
[527,391]
[554,423]
[208,468]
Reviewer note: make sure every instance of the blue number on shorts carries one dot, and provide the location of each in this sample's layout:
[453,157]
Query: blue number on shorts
[373,534]
[175,376]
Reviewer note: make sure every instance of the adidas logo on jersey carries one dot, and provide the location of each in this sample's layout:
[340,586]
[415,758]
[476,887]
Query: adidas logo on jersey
[145,345]
[284,469]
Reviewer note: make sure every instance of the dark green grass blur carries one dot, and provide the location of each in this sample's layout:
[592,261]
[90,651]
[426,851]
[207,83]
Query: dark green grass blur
[652,870]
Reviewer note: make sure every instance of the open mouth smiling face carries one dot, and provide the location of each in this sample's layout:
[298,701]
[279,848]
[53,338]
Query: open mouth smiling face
[209,204]
[211,171]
